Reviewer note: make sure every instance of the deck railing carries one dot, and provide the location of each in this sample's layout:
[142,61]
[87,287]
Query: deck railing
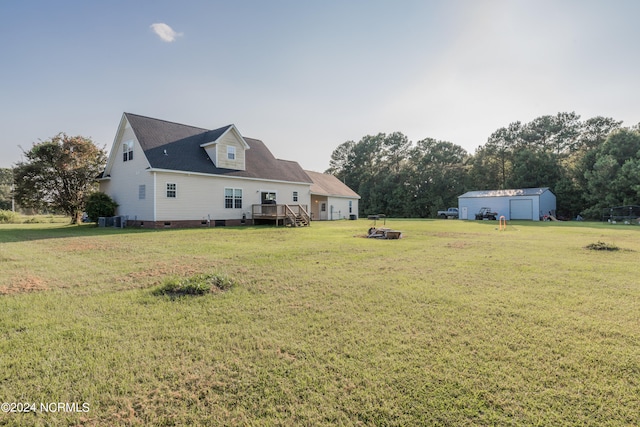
[297,214]
[294,214]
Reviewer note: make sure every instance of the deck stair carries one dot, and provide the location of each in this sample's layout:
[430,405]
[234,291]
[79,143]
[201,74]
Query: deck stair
[296,218]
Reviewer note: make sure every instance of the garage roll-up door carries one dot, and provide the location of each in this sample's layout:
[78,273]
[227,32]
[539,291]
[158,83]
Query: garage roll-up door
[521,209]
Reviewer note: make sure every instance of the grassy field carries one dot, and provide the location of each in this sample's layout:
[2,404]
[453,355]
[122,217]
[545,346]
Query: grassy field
[455,324]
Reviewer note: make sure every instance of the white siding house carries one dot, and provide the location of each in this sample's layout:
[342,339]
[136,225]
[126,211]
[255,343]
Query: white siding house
[524,203]
[332,199]
[165,174]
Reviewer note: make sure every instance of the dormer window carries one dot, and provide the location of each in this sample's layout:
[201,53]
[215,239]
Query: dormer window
[226,150]
[231,152]
[127,151]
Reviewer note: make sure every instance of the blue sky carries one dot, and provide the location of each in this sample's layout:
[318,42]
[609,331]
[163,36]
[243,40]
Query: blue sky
[306,76]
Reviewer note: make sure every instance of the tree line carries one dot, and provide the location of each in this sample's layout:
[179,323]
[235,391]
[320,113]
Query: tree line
[588,164]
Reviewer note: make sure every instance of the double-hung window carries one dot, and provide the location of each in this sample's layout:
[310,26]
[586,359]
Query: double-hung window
[295,196]
[233,198]
[172,190]
[127,151]
[231,152]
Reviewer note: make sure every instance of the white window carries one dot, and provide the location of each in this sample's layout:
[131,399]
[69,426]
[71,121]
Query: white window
[295,196]
[142,192]
[350,206]
[231,152]
[172,190]
[233,198]
[127,151]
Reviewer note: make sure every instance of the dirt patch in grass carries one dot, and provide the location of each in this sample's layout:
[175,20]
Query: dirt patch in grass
[458,245]
[83,246]
[26,283]
[154,275]
[602,246]
[454,234]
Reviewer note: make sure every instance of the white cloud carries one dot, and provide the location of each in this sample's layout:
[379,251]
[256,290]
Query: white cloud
[165,32]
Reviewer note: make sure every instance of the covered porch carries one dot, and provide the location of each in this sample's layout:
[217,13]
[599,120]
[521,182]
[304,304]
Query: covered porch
[319,208]
[325,208]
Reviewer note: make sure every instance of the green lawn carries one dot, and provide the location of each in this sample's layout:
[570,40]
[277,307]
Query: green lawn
[455,324]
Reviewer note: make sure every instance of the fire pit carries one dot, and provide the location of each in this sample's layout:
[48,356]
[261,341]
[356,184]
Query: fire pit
[383,233]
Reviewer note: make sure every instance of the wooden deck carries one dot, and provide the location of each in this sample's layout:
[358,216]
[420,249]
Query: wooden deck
[288,215]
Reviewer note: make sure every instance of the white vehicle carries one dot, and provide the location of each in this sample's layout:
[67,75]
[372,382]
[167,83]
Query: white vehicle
[449,213]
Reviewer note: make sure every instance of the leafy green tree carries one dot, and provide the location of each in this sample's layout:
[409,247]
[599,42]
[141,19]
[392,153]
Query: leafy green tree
[614,178]
[569,198]
[99,204]
[439,175]
[558,134]
[567,138]
[390,195]
[595,131]
[394,150]
[341,160]
[628,181]
[534,169]
[501,146]
[58,174]
[6,182]
[572,190]
[373,167]
[600,182]
[485,171]
[363,171]
[624,144]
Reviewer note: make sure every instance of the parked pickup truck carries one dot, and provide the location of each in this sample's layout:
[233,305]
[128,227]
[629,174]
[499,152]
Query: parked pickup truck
[449,213]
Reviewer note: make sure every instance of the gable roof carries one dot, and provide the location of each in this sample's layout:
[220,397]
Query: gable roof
[182,145]
[506,193]
[329,185]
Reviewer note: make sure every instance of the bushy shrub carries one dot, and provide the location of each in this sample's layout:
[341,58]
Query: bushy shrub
[99,204]
[9,217]
[200,284]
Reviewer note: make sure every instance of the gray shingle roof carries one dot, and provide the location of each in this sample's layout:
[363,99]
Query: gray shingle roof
[328,185]
[506,193]
[183,151]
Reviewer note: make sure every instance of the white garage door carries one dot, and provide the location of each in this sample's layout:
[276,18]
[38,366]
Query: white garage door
[521,209]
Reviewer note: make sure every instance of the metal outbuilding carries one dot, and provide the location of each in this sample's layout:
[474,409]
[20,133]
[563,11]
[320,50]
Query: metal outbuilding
[522,203]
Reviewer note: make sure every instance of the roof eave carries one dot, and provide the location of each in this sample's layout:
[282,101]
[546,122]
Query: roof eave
[248,178]
[342,196]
